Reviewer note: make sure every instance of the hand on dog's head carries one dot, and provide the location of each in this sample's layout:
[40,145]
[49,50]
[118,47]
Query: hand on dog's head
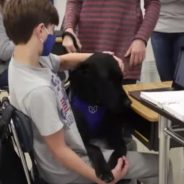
[98,81]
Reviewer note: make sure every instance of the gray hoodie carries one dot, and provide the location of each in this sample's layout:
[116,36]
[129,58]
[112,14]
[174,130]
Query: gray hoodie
[6,47]
[171,18]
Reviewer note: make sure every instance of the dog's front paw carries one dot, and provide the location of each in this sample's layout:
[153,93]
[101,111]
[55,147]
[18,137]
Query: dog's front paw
[107,177]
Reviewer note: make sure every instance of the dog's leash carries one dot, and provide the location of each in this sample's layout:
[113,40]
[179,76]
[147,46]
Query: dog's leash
[66,33]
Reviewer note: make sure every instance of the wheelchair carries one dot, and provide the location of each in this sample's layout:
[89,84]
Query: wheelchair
[16,138]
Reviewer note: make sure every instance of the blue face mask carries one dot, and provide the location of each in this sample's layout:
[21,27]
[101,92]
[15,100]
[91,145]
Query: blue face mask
[48,45]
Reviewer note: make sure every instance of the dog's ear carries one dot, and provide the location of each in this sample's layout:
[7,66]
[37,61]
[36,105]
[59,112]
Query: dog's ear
[83,83]
[81,70]
[84,68]
[114,69]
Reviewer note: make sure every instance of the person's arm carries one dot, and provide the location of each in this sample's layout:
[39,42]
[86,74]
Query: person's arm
[72,13]
[71,60]
[137,49]
[71,160]
[68,42]
[51,129]
[73,8]
[152,10]
[68,158]
[6,45]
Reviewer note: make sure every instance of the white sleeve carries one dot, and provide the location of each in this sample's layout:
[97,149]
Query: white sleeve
[52,61]
[41,106]
[55,62]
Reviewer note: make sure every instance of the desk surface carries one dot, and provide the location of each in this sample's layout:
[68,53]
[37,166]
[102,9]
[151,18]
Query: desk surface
[139,108]
[3,94]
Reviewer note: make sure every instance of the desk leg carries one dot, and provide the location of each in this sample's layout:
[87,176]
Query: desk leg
[164,143]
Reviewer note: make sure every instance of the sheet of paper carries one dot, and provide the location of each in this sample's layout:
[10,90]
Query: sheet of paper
[175,109]
[163,97]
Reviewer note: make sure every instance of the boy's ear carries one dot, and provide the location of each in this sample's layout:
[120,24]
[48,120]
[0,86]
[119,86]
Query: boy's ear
[40,31]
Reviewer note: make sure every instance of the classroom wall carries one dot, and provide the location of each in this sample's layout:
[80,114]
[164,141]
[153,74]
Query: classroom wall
[60,5]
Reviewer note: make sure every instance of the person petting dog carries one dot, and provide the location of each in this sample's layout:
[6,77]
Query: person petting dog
[36,90]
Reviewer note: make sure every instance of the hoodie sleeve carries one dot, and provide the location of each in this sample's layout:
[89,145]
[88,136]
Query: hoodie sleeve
[73,8]
[6,45]
[152,10]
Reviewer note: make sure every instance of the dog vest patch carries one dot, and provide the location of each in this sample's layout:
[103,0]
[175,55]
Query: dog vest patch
[92,114]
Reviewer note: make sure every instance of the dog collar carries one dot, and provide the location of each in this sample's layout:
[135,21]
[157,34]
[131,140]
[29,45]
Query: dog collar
[93,114]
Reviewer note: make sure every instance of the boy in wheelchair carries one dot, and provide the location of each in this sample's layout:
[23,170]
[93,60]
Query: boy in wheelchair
[36,91]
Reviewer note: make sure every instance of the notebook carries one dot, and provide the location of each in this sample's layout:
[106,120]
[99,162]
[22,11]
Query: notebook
[163,98]
[170,101]
[176,109]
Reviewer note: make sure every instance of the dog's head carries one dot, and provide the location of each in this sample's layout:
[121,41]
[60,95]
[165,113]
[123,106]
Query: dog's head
[98,81]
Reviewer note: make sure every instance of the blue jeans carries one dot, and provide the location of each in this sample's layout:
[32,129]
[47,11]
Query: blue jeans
[166,47]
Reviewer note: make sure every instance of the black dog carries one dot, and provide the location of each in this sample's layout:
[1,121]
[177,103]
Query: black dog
[100,106]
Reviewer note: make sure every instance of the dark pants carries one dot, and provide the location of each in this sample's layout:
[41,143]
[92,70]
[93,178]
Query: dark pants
[166,47]
[4,79]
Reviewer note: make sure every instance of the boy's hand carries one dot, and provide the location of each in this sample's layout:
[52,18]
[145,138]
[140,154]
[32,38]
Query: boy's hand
[68,42]
[120,169]
[120,62]
[136,52]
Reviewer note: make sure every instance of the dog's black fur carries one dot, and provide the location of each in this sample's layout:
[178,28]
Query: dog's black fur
[98,83]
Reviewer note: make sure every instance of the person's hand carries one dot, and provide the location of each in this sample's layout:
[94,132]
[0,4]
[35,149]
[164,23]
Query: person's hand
[120,62]
[68,42]
[136,52]
[121,169]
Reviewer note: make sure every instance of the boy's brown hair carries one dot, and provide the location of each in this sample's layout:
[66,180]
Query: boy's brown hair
[22,16]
